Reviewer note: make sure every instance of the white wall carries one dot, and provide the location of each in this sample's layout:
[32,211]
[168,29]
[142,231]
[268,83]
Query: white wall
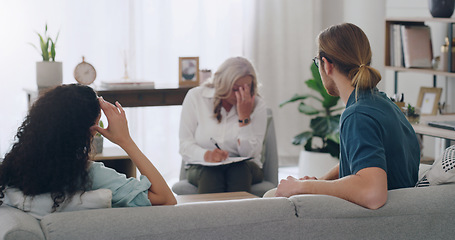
[369,16]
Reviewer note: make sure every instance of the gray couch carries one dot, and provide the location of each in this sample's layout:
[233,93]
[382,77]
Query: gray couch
[411,213]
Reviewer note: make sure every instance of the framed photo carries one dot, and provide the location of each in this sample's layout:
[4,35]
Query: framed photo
[188,71]
[428,100]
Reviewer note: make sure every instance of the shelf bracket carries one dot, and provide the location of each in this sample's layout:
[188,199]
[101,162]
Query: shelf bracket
[449,50]
[396,82]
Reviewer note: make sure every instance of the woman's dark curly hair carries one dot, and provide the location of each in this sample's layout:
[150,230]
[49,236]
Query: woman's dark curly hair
[52,145]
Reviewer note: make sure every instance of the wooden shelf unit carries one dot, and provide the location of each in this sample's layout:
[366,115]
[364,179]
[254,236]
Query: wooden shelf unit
[418,20]
[423,128]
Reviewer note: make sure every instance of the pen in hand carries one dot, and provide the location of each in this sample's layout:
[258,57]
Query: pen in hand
[214,142]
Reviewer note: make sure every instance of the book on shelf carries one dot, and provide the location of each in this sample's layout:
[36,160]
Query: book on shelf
[396,48]
[417,50]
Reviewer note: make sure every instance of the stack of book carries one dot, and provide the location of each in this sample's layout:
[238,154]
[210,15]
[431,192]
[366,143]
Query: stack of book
[410,46]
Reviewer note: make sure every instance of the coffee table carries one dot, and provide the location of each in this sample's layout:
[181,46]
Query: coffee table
[181,199]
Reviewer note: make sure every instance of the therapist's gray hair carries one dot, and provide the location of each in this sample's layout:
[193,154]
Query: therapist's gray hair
[225,77]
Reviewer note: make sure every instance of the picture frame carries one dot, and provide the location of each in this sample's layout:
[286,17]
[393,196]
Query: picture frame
[188,71]
[428,100]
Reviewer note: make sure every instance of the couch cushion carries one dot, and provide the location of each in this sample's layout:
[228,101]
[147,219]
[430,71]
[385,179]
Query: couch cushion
[41,205]
[17,225]
[410,213]
[235,219]
[442,171]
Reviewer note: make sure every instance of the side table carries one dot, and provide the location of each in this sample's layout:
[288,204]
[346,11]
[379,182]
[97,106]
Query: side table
[116,158]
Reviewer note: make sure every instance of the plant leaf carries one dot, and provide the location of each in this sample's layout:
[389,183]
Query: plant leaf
[294,98]
[325,126]
[309,145]
[307,109]
[56,38]
[52,52]
[333,148]
[44,46]
[302,138]
[33,45]
[337,109]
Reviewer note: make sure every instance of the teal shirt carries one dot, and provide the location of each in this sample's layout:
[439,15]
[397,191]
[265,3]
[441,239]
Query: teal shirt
[126,192]
[375,133]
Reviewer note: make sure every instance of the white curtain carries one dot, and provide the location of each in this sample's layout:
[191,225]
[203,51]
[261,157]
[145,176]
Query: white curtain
[282,44]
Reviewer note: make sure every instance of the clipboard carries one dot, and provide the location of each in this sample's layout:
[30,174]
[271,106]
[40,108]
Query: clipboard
[229,160]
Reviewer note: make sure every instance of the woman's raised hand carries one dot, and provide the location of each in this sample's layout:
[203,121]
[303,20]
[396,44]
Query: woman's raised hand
[245,102]
[117,129]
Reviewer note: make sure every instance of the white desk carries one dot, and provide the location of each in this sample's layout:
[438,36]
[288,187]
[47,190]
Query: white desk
[424,129]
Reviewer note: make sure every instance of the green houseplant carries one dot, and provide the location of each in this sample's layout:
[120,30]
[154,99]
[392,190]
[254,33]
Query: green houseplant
[48,72]
[325,124]
[47,46]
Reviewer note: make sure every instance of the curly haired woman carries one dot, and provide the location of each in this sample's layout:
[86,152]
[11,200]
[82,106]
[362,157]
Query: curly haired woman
[51,153]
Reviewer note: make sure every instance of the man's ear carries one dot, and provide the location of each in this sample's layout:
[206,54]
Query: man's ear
[328,67]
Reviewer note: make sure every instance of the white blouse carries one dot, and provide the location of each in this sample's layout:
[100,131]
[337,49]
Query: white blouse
[198,125]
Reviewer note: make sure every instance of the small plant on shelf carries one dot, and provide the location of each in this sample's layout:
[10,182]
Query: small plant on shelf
[47,46]
[412,114]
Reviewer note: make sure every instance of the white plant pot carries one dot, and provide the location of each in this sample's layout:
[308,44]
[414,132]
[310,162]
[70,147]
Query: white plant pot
[315,164]
[48,74]
[97,144]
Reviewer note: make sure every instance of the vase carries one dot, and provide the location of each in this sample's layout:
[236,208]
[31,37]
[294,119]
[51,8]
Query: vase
[48,75]
[441,8]
[315,164]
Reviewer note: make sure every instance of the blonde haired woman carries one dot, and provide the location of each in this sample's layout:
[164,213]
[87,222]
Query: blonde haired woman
[379,150]
[221,119]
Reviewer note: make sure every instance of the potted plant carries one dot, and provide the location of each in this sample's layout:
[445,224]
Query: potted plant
[98,140]
[48,72]
[412,114]
[324,127]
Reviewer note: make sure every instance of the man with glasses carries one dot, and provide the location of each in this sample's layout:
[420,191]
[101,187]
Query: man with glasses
[379,150]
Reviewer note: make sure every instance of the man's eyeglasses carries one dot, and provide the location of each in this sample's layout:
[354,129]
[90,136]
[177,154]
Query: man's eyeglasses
[316,61]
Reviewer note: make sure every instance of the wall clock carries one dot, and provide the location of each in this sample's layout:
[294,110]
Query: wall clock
[84,73]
